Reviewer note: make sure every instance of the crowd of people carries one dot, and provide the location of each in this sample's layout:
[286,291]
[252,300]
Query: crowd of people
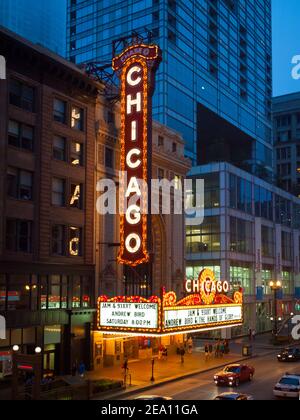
[217,350]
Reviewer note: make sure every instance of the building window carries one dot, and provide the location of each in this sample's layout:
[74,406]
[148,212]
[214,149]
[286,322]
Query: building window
[20,135]
[77,118]
[60,111]
[174,147]
[76,196]
[240,194]
[76,154]
[241,276]
[19,184]
[161,174]
[21,95]
[2,292]
[19,292]
[241,236]
[286,246]
[76,295]
[192,272]
[59,148]
[161,141]
[19,236]
[284,169]
[263,203]
[204,238]
[283,121]
[58,240]
[75,238]
[284,153]
[58,192]
[287,283]
[267,241]
[54,297]
[109,158]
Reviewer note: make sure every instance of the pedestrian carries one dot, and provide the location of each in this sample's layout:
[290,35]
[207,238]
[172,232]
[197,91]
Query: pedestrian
[125,366]
[74,369]
[253,335]
[160,352]
[217,350]
[165,353]
[190,345]
[210,350]
[206,351]
[182,354]
[81,369]
[226,345]
[250,334]
[222,350]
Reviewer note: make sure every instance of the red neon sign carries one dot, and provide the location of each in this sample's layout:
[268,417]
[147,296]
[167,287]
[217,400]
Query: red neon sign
[137,66]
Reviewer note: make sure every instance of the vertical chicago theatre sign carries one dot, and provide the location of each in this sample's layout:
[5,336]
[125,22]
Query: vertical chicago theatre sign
[136,67]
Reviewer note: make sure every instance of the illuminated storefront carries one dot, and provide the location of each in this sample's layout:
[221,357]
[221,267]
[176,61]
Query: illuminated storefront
[210,306]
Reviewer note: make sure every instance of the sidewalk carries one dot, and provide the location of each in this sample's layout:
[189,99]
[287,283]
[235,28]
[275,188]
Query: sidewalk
[172,369]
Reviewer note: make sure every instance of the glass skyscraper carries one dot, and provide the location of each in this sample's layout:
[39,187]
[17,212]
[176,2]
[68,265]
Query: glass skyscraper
[40,21]
[215,83]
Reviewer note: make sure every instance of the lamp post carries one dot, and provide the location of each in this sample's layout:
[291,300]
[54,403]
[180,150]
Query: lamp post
[275,286]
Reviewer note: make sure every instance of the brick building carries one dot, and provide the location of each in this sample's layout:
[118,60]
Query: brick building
[47,151]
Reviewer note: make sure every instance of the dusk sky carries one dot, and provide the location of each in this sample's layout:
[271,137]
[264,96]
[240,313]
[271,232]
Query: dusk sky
[286,41]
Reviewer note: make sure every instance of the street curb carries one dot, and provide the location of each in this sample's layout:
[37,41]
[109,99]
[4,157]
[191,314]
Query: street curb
[176,378]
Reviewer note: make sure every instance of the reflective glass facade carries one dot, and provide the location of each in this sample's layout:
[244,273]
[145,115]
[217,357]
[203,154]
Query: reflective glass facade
[249,239]
[42,22]
[217,54]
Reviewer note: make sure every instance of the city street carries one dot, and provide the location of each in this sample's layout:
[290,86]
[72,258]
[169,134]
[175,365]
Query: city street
[202,387]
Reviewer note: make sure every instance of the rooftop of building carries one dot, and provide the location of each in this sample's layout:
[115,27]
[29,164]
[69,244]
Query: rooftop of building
[14,43]
[286,102]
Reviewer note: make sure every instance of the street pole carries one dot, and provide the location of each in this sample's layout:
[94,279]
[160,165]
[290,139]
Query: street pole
[275,314]
[152,377]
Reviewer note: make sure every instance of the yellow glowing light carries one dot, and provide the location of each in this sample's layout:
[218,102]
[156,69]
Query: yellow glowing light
[146,257]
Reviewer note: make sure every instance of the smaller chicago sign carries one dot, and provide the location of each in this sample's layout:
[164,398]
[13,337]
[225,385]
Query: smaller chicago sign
[136,67]
[212,305]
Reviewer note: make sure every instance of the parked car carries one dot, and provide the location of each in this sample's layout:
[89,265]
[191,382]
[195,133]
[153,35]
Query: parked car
[152,398]
[289,355]
[288,386]
[231,396]
[233,375]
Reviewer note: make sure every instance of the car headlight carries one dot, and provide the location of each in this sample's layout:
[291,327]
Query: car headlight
[290,357]
[231,378]
[279,355]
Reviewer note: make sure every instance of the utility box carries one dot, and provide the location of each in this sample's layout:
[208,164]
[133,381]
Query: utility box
[247,351]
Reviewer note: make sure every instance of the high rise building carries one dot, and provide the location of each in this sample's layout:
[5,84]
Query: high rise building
[215,83]
[286,122]
[42,22]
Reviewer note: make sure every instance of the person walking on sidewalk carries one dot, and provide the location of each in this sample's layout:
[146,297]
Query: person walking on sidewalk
[182,354]
[210,351]
[217,350]
[206,351]
[222,350]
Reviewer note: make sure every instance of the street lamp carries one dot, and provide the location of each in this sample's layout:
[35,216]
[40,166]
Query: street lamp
[275,286]
[16,348]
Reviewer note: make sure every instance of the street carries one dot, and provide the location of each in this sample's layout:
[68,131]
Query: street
[202,387]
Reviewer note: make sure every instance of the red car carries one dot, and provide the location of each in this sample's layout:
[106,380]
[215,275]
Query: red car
[233,375]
